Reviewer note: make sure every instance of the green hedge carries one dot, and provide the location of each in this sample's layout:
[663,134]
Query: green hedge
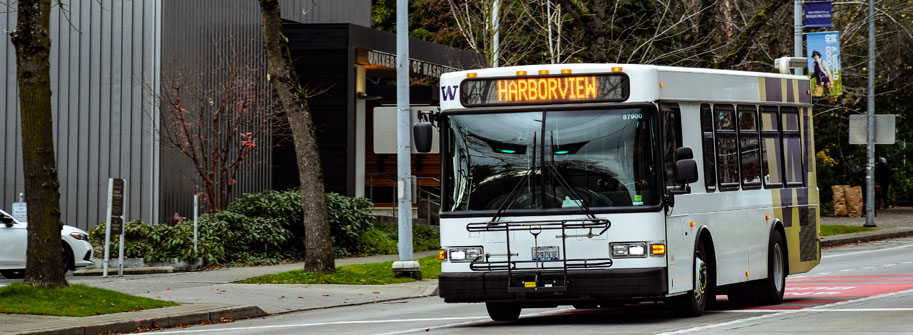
[263,228]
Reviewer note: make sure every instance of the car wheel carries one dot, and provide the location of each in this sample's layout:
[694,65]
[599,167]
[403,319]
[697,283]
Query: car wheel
[67,257]
[13,274]
[503,311]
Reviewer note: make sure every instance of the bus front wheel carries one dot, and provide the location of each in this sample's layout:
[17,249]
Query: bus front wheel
[503,311]
[694,302]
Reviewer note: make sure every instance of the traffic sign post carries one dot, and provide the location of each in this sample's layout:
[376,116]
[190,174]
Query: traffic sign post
[115,223]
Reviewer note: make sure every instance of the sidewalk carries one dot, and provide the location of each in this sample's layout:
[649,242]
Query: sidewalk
[208,296]
[890,223]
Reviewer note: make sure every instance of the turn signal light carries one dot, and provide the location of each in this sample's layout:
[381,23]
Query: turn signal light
[658,249]
[661,85]
[692,223]
[766,217]
[442,254]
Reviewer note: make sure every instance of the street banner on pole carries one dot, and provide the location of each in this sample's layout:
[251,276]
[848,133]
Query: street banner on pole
[824,63]
[818,14]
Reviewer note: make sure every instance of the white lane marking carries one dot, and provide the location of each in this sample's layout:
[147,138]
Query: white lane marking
[845,270]
[297,325]
[889,265]
[908,262]
[425,329]
[824,273]
[809,310]
[866,251]
[869,267]
[821,308]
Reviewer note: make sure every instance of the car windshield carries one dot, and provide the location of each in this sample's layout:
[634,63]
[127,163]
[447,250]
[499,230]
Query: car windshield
[550,160]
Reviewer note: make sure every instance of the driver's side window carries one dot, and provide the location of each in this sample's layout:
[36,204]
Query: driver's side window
[670,114]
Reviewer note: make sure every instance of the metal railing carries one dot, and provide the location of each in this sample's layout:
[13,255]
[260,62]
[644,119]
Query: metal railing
[430,195]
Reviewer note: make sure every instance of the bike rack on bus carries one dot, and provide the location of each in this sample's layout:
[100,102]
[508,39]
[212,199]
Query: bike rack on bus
[536,227]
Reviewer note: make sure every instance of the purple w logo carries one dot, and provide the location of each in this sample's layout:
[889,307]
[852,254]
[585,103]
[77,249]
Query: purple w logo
[449,92]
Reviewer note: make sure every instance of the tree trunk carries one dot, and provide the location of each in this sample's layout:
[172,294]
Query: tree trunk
[33,46]
[292,100]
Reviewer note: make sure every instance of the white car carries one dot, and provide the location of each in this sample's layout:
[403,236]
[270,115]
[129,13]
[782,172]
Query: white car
[77,251]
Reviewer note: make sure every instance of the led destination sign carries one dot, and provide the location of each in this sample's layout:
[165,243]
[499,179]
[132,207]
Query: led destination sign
[546,89]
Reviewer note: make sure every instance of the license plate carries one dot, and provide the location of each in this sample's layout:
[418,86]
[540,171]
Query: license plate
[548,253]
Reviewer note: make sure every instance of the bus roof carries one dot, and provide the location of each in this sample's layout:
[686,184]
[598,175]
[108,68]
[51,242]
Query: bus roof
[649,83]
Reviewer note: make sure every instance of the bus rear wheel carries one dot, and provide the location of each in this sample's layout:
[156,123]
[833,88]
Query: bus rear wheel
[770,291]
[503,311]
[694,302]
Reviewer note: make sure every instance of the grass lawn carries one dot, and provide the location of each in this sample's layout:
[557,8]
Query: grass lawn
[76,300]
[830,229]
[355,274]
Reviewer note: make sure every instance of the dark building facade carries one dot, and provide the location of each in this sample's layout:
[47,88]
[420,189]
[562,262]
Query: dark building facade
[108,61]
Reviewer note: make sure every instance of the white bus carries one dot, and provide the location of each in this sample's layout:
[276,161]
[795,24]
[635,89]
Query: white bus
[606,184]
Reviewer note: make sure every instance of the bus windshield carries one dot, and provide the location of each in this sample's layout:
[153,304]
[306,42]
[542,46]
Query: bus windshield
[598,158]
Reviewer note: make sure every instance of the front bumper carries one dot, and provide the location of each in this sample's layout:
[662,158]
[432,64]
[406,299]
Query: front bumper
[593,284]
[82,253]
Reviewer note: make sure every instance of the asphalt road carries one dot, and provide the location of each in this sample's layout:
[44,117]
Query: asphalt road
[866,288]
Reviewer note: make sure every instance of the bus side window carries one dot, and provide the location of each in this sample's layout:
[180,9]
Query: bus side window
[771,148]
[670,114]
[707,148]
[792,147]
[727,147]
[749,155]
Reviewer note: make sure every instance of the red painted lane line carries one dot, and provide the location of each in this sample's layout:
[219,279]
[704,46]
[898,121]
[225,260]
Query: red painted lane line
[851,280]
[851,276]
[847,290]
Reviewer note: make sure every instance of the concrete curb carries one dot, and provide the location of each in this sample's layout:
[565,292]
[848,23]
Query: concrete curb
[837,240]
[127,271]
[150,319]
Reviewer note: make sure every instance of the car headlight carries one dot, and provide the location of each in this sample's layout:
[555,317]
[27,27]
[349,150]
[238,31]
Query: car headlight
[464,254]
[79,236]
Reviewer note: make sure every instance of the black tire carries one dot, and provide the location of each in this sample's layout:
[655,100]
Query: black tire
[13,274]
[694,302]
[770,291]
[503,311]
[67,259]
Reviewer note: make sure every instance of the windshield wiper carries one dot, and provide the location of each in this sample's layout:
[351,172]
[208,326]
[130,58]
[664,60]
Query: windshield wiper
[511,197]
[567,188]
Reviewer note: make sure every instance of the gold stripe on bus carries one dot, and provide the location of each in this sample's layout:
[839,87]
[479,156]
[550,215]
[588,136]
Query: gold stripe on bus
[794,85]
[762,86]
[783,89]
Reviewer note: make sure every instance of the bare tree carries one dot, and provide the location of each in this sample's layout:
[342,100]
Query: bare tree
[474,21]
[33,45]
[293,102]
[216,128]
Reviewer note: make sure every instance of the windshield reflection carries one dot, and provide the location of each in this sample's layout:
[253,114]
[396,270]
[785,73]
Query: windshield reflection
[605,156]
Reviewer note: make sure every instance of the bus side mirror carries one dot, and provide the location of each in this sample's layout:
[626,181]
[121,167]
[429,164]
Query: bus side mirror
[421,134]
[685,171]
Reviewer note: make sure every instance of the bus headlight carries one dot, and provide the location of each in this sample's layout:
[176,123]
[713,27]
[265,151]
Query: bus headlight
[464,254]
[629,249]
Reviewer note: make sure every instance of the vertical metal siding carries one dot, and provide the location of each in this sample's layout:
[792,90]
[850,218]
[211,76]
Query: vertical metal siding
[103,55]
[328,11]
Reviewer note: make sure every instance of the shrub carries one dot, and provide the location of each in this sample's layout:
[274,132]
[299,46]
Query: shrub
[263,228]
